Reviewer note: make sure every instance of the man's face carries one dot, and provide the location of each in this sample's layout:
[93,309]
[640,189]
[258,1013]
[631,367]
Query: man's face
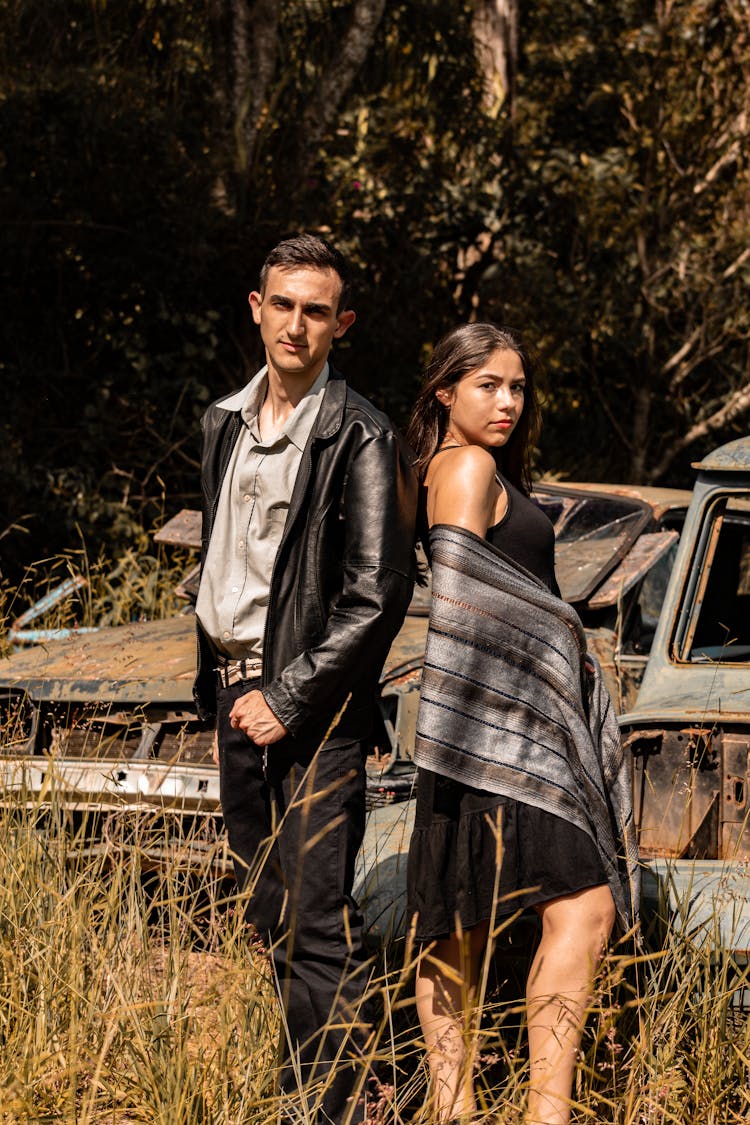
[299,319]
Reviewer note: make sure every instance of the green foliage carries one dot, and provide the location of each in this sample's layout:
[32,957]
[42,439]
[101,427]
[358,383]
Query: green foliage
[148,166]
[631,210]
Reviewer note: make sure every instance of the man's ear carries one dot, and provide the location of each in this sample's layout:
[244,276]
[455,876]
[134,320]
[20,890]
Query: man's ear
[344,321]
[255,300]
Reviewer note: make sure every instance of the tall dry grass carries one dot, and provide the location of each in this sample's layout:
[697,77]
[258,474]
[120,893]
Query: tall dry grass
[132,991]
[134,994]
[139,586]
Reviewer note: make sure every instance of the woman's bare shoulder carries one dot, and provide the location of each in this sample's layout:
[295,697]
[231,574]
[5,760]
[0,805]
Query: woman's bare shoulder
[468,463]
[463,490]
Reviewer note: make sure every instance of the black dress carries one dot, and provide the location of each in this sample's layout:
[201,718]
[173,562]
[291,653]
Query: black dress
[461,834]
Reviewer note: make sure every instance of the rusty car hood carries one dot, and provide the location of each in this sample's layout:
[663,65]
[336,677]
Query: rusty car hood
[660,500]
[150,661]
[154,662]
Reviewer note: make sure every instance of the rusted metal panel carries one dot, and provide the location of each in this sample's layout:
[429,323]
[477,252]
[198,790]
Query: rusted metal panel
[676,795]
[96,735]
[593,532]
[407,650]
[402,731]
[734,457]
[182,530]
[111,785]
[735,797]
[603,644]
[144,662]
[691,791]
[622,675]
[188,587]
[660,500]
[645,553]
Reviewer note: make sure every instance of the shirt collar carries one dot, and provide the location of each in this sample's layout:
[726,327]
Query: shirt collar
[249,399]
[299,424]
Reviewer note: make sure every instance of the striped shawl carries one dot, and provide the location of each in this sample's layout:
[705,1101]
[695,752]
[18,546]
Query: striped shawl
[508,706]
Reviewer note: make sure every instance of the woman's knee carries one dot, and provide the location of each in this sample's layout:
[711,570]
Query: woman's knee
[588,916]
[601,914]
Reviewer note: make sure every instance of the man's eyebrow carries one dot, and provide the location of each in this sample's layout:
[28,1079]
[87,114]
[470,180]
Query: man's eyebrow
[309,306]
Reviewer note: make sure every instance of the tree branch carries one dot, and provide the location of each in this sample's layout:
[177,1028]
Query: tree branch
[604,403]
[737,404]
[244,37]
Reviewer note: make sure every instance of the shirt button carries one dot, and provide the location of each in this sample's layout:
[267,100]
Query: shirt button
[235,589]
[227,634]
[247,497]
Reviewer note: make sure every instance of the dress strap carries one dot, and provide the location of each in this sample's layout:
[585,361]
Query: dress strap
[444,448]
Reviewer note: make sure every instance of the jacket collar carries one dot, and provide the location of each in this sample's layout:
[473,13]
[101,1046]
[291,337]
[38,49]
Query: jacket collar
[331,414]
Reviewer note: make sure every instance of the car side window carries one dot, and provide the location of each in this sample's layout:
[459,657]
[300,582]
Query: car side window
[716,626]
[651,598]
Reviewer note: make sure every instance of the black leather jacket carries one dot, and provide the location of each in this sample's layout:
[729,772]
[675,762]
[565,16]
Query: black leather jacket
[344,572]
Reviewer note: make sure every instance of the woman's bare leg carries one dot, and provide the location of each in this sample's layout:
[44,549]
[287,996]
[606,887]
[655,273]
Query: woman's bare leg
[575,930]
[447,976]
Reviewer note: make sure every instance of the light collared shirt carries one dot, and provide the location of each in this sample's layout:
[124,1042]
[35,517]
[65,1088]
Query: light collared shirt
[253,505]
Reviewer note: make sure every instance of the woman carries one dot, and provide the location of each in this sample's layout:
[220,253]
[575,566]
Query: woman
[521,768]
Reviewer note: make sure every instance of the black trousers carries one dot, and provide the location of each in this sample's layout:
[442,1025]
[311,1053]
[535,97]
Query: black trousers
[295,823]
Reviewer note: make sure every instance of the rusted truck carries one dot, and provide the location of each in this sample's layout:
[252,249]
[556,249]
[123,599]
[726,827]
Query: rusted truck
[661,581]
[689,727]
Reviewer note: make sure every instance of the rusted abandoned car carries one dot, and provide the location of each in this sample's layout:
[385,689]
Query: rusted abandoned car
[689,728]
[123,695]
[109,715]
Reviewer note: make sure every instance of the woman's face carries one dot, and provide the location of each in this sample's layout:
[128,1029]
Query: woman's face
[485,404]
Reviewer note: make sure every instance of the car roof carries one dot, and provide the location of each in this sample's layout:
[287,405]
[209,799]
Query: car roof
[660,500]
[734,457]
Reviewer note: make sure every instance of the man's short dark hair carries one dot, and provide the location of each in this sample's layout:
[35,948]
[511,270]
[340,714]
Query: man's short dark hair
[308,250]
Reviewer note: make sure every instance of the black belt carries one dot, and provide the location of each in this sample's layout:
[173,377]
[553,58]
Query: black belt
[234,671]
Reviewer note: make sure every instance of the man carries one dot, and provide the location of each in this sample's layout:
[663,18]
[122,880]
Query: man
[308,527]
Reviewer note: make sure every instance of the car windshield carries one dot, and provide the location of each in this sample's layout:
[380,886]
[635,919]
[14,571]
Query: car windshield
[592,532]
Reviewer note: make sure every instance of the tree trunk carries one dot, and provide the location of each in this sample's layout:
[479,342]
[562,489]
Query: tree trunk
[244,39]
[640,432]
[337,78]
[496,38]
